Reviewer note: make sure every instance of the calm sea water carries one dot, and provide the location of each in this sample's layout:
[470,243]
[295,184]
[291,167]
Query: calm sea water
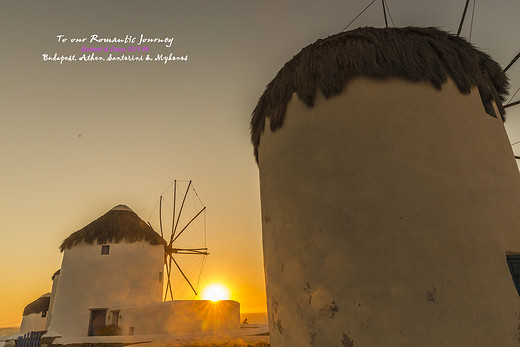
[9,331]
[254,318]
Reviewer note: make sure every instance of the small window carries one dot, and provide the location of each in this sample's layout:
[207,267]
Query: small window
[161,277]
[131,330]
[513,261]
[105,249]
[44,314]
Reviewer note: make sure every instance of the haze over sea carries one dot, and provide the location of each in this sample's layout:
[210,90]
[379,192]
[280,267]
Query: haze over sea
[9,331]
[252,318]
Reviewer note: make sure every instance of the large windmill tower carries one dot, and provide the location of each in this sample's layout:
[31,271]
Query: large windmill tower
[390,194]
[114,268]
[115,261]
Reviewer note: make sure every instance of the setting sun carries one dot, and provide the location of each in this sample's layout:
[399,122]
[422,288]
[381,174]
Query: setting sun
[215,292]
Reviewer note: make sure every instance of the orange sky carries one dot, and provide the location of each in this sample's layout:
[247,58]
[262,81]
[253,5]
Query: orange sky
[78,138]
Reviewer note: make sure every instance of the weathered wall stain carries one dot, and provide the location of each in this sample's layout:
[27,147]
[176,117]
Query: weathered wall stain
[279,326]
[274,317]
[431,296]
[329,310]
[347,341]
[312,332]
[307,291]
[305,301]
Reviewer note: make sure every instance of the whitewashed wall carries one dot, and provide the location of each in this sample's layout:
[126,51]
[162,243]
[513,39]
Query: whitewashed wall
[180,316]
[55,281]
[33,322]
[388,211]
[129,275]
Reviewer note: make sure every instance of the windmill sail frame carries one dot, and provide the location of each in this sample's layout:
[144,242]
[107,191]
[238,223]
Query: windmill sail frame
[184,221]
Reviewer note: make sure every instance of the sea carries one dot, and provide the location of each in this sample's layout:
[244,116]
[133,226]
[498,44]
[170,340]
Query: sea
[254,318]
[9,331]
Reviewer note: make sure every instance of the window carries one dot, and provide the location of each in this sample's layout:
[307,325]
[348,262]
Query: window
[513,261]
[161,277]
[131,330]
[105,249]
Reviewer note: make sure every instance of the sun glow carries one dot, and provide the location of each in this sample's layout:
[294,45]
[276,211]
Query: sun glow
[215,292]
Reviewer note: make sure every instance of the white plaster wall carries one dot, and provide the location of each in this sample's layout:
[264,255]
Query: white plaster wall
[387,214]
[32,322]
[129,275]
[51,302]
[180,316]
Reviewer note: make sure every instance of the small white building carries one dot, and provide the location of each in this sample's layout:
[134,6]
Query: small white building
[111,280]
[35,315]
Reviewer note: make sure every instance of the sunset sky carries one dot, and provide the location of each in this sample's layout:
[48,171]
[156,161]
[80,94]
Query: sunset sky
[78,138]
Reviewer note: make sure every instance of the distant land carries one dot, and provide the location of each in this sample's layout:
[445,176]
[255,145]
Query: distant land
[9,331]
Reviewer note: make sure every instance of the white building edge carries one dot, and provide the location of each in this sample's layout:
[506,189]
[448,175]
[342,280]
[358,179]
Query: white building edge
[111,282]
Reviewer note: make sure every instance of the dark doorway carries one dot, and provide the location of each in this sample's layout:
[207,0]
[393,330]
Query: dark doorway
[97,321]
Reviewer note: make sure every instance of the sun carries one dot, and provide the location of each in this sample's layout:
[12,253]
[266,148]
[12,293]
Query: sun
[215,292]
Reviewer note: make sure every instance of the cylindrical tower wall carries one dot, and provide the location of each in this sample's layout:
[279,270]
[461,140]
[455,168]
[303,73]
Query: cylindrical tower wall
[388,211]
[130,274]
[55,280]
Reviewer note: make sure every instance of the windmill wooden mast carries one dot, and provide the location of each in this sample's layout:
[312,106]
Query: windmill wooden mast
[176,231]
[509,104]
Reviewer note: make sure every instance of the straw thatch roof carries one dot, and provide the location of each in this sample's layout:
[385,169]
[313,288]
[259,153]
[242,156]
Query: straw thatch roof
[413,54]
[38,306]
[55,274]
[118,224]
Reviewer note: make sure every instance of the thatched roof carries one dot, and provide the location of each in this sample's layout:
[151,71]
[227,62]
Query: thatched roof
[118,224]
[55,274]
[39,305]
[413,54]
